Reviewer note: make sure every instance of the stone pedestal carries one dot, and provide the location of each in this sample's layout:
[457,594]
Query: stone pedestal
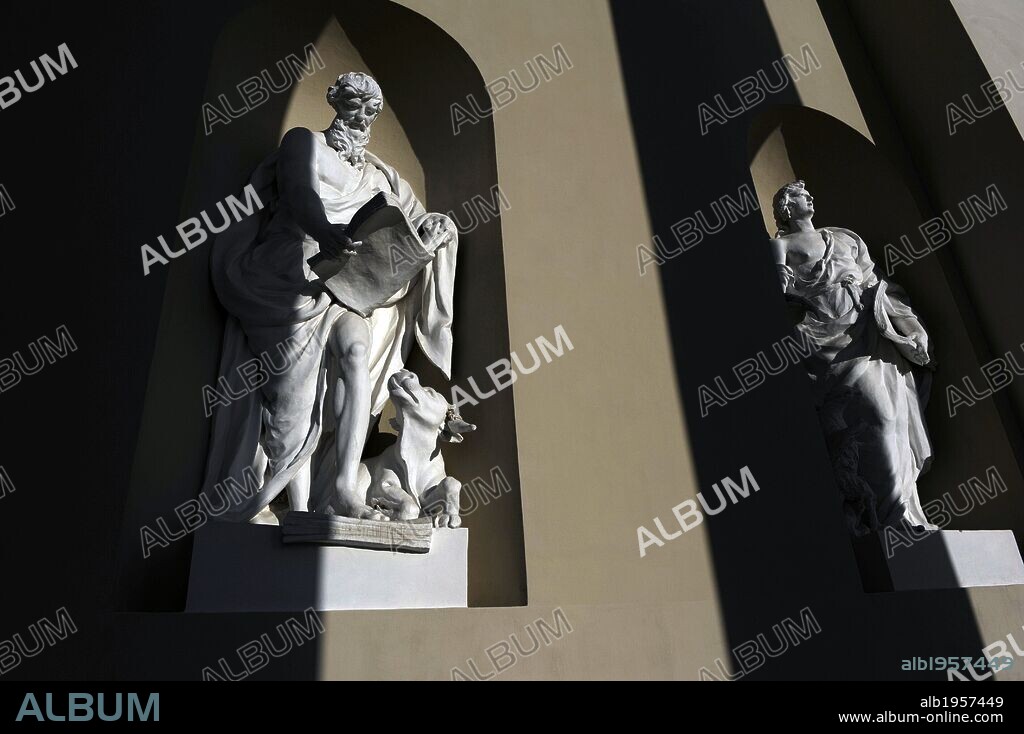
[247,568]
[943,559]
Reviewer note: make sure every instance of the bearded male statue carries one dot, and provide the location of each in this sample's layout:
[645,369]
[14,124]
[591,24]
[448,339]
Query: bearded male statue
[304,429]
[868,350]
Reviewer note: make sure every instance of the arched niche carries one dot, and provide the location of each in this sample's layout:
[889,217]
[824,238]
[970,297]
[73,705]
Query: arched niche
[422,71]
[856,187]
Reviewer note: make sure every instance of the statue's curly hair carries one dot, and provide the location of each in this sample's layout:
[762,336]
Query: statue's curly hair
[780,204]
[354,84]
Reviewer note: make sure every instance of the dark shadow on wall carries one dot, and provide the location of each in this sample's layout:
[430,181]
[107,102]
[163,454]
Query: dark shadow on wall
[171,451]
[172,446]
[173,440]
[785,548]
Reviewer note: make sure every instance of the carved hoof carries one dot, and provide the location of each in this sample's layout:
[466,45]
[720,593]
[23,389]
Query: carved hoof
[446,520]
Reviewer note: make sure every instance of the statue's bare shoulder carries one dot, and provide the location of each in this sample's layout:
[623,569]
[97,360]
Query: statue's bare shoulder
[298,135]
[300,143]
[296,160]
[779,249]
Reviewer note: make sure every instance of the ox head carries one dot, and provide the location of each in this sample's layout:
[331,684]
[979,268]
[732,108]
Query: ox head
[423,411]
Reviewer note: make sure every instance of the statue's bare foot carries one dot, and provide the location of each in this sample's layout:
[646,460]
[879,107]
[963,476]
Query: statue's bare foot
[350,504]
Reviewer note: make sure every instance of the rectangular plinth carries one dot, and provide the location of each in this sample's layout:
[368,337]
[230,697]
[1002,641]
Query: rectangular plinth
[896,560]
[247,568]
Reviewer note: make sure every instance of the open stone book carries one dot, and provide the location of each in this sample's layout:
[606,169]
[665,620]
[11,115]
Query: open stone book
[389,256]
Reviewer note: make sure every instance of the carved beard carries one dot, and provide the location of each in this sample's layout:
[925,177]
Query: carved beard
[350,142]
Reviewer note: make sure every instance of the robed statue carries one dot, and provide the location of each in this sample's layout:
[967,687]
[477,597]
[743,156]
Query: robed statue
[870,364]
[304,430]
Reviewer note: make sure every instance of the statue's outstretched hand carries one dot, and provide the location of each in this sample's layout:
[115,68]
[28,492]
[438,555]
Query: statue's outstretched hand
[917,350]
[437,231]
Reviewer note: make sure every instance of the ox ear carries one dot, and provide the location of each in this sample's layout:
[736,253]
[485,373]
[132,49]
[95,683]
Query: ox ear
[453,429]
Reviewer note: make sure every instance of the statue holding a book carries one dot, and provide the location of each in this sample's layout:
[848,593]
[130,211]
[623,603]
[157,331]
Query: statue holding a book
[346,268]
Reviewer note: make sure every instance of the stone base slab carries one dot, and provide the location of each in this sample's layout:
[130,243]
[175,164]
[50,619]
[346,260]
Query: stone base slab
[942,559]
[247,568]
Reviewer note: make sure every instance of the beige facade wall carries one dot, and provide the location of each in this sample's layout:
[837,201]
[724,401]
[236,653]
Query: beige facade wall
[589,474]
[996,28]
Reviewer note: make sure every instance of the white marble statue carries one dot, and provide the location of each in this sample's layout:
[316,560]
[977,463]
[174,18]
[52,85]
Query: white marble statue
[868,350]
[304,430]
